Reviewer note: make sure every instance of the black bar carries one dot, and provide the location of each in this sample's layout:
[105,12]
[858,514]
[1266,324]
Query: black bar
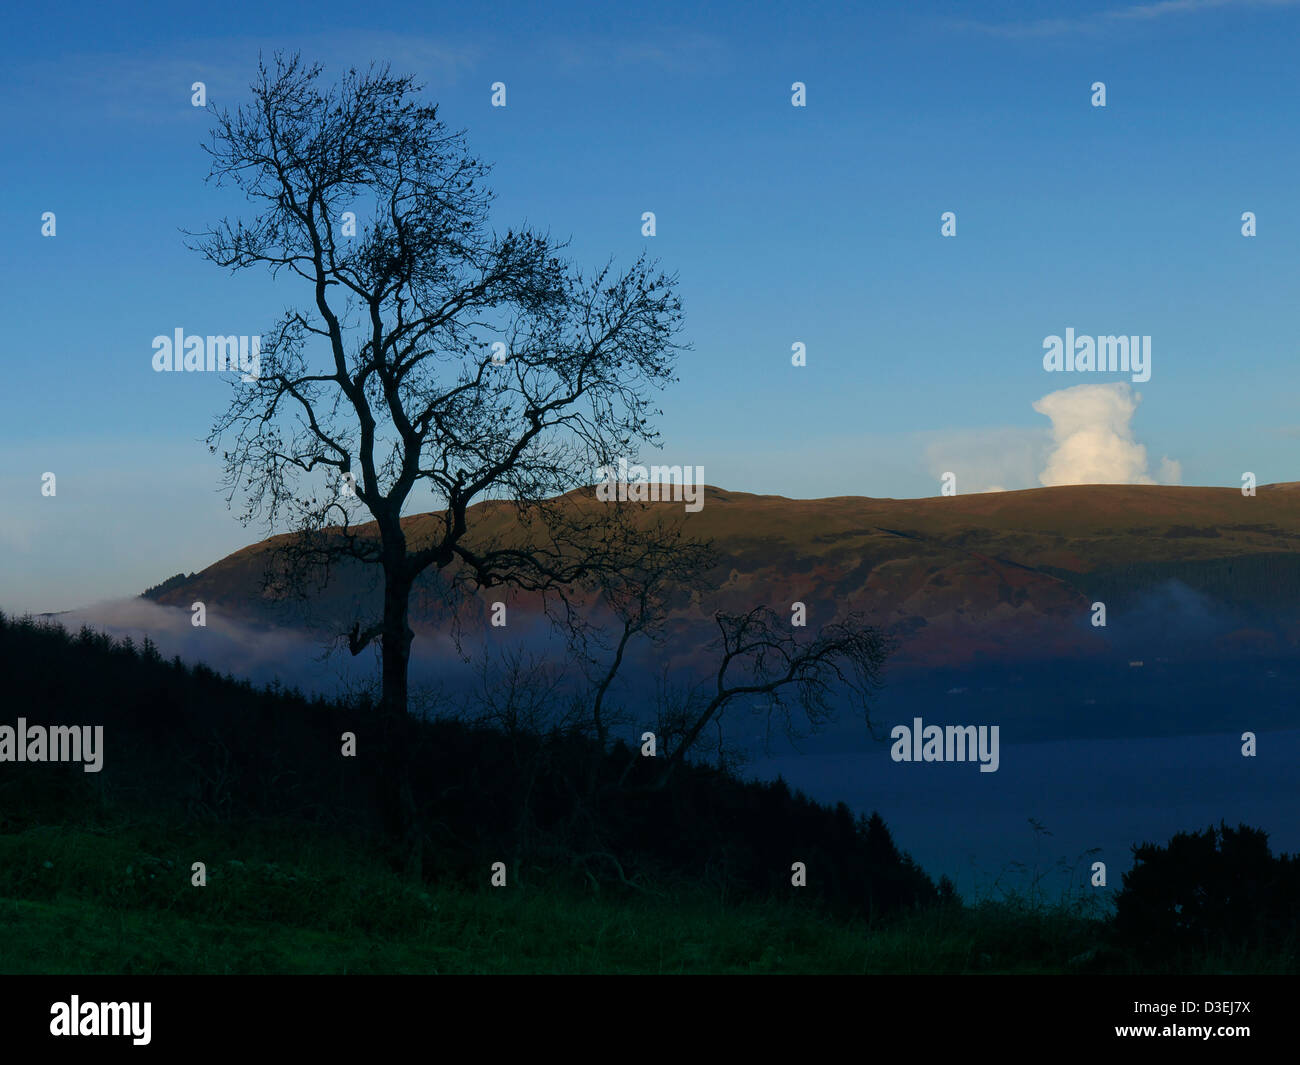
[466,1015]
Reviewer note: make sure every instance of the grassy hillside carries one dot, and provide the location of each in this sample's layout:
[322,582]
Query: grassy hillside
[302,873]
[75,901]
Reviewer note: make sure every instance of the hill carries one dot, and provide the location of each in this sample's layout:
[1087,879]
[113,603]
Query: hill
[996,577]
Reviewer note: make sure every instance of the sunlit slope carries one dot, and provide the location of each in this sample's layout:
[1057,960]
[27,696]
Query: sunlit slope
[961,578]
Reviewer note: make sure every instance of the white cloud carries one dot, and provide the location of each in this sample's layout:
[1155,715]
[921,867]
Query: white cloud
[1092,430]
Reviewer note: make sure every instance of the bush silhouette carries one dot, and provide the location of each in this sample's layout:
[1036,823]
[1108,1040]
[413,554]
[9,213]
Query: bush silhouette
[1219,891]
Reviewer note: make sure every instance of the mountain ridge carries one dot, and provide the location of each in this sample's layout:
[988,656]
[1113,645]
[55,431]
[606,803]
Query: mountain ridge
[980,577]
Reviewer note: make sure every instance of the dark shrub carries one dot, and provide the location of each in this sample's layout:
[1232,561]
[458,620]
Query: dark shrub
[1218,891]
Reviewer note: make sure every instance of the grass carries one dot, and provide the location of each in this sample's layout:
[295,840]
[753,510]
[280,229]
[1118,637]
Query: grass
[77,900]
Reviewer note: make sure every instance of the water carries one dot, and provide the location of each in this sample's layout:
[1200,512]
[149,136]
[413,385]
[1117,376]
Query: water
[1097,793]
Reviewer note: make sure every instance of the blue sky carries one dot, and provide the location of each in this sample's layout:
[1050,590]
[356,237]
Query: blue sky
[818,224]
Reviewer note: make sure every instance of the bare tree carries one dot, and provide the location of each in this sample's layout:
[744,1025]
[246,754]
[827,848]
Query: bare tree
[761,655]
[386,383]
[663,566]
[384,388]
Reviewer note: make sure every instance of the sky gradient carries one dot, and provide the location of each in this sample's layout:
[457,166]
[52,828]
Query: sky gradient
[818,225]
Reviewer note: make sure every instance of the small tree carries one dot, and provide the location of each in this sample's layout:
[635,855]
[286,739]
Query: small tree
[759,654]
[663,563]
[1213,893]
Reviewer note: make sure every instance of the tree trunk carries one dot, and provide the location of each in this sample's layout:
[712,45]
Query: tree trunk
[395,644]
[399,730]
[688,741]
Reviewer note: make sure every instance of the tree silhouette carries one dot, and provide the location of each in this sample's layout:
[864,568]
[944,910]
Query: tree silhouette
[385,382]
[759,654]
[1217,891]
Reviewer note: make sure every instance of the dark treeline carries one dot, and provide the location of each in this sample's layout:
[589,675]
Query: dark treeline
[187,742]
[174,581]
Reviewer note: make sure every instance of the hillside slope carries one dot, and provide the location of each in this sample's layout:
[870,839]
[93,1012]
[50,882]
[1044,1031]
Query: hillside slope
[996,576]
